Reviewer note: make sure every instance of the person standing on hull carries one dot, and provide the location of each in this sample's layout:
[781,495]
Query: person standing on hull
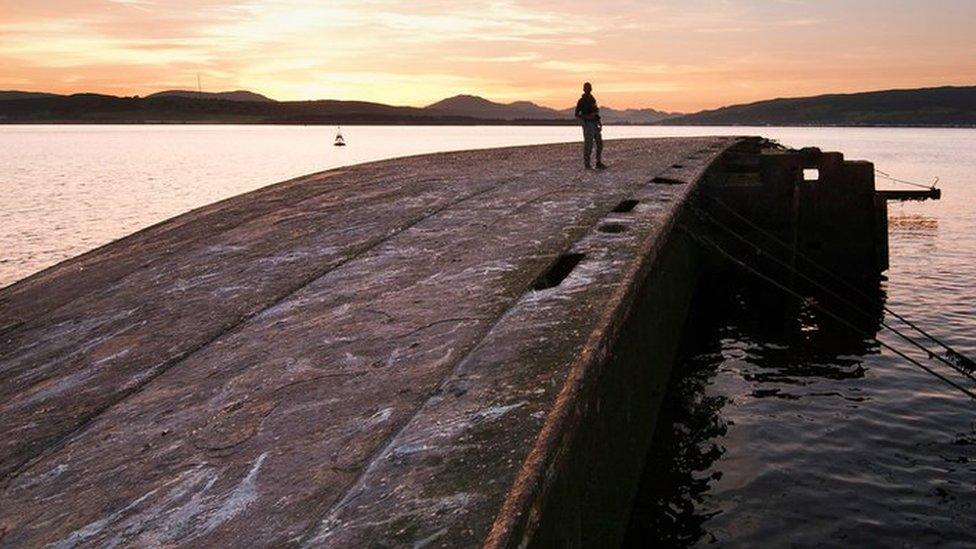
[589,113]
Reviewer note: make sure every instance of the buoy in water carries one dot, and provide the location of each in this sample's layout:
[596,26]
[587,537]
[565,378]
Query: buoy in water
[339,141]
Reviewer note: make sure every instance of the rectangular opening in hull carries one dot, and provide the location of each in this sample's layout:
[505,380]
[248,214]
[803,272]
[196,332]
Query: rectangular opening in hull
[625,206]
[557,272]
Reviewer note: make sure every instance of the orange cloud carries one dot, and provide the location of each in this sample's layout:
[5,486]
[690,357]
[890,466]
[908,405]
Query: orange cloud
[667,54]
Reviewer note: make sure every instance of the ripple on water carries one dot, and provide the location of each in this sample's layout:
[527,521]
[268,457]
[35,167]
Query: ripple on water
[808,436]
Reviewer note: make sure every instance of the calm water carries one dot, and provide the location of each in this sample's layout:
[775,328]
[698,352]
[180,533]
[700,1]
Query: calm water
[781,428]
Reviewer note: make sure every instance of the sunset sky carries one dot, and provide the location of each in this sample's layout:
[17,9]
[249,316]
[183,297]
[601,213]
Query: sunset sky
[667,54]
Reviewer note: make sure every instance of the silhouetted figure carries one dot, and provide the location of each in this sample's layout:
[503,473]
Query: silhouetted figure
[588,111]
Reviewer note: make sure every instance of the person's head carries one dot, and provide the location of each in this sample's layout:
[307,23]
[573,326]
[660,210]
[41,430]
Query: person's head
[587,87]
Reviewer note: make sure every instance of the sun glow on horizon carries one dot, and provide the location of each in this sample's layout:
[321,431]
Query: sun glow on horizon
[669,55]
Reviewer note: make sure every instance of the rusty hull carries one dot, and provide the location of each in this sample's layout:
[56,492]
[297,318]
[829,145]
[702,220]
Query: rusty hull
[350,358]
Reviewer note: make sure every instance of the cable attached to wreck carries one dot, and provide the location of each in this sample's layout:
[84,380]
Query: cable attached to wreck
[705,216]
[711,244]
[957,356]
[889,177]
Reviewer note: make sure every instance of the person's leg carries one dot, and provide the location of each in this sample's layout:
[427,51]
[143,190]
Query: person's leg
[598,137]
[587,143]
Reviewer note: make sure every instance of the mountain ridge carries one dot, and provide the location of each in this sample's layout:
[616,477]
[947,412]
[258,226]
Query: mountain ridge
[936,106]
[473,105]
[945,106]
[235,95]
[12,95]
[241,106]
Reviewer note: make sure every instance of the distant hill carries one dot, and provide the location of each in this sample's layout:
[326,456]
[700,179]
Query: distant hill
[945,106]
[91,108]
[181,106]
[237,95]
[628,116]
[478,107]
[13,95]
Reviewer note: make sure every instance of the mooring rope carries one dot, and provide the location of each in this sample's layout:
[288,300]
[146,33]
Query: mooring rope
[854,306]
[893,179]
[705,241]
[953,353]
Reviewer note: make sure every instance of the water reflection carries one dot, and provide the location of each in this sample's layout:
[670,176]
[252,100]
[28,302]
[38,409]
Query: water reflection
[775,348]
[671,508]
[784,428]
[913,226]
